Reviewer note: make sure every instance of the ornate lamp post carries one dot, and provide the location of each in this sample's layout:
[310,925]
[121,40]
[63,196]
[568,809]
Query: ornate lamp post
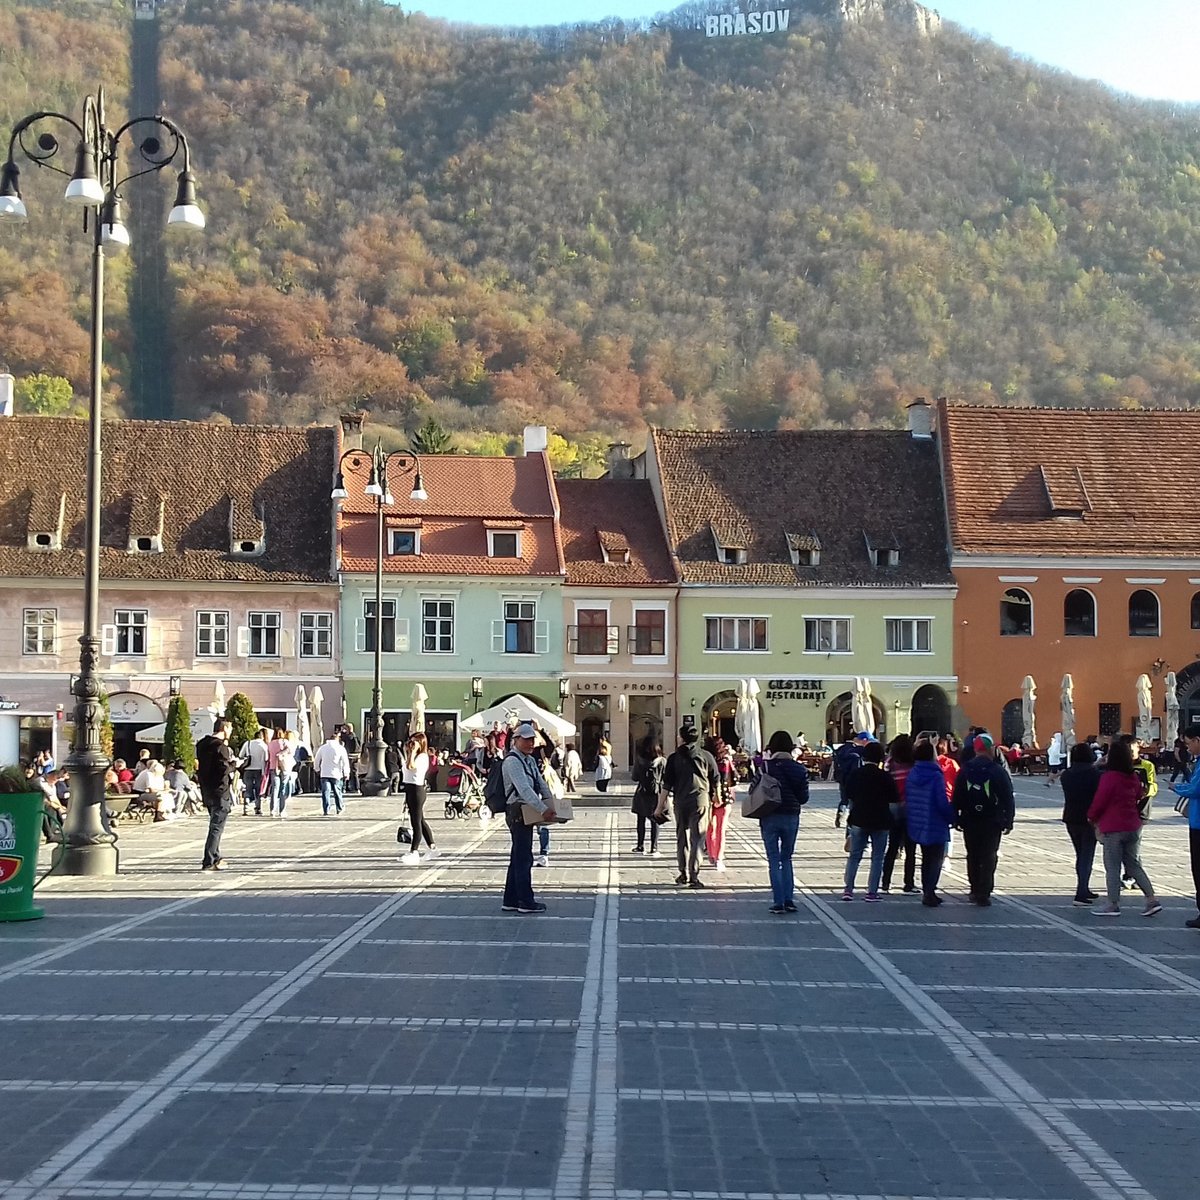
[375,781]
[94,185]
[477,690]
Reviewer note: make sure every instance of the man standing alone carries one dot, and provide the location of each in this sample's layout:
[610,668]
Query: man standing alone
[691,779]
[215,771]
[523,784]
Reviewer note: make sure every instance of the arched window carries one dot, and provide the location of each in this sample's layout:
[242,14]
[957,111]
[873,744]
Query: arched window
[1196,611]
[1012,722]
[1143,614]
[1016,613]
[1079,614]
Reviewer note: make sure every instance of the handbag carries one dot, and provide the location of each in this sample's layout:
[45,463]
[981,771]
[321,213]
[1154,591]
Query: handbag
[764,797]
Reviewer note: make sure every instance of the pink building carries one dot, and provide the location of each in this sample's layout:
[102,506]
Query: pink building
[216,565]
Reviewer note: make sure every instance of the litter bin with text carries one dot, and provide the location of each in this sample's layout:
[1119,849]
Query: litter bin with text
[20,838]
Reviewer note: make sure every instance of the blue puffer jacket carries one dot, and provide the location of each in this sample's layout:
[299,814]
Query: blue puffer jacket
[927,810]
[1191,789]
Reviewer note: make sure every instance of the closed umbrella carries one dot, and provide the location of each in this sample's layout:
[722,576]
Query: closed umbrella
[303,733]
[217,707]
[1145,703]
[1028,716]
[861,710]
[419,696]
[1068,713]
[1172,707]
[739,714]
[318,725]
[752,741]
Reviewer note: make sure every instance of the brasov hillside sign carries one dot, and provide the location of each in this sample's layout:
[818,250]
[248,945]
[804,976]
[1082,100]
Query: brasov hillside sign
[737,24]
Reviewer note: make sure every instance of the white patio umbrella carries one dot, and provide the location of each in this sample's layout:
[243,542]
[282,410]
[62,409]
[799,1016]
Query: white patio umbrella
[1171,688]
[752,739]
[1145,703]
[1067,701]
[862,712]
[739,711]
[315,700]
[303,733]
[519,708]
[419,696]
[1028,714]
[217,707]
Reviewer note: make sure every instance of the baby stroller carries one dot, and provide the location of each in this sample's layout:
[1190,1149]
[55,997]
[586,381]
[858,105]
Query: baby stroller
[465,792]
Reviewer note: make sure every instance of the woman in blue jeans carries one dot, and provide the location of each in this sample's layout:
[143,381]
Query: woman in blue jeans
[780,828]
[871,792]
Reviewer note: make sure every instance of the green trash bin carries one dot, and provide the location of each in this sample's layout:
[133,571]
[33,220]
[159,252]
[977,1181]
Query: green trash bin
[20,838]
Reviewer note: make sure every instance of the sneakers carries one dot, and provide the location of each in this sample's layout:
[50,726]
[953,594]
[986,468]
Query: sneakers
[931,901]
[527,909]
[1152,910]
[695,883]
[1109,910]
[656,854]
[639,850]
[681,879]
[911,891]
[1081,902]
[847,895]
[720,864]
[777,910]
[433,853]
[540,860]
[410,859]
[1194,923]
[509,908]
[872,898]
[984,901]
[790,907]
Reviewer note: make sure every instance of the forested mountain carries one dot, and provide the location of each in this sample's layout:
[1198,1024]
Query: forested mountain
[610,227]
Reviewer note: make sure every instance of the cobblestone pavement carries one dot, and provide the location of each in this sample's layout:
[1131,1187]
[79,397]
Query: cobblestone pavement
[321,1023]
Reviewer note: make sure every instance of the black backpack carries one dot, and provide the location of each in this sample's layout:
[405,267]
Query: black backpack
[979,804]
[495,793]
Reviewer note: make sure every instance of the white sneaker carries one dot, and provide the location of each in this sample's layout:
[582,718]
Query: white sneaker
[433,852]
[411,859]
[540,860]
[720,864]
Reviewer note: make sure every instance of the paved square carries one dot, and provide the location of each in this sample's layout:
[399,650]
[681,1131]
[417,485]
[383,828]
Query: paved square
[321,1023]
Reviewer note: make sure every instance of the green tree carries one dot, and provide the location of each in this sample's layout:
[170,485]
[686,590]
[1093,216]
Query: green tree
[106,727]
[431,438]
[46,395]
[245,720]
[177,741]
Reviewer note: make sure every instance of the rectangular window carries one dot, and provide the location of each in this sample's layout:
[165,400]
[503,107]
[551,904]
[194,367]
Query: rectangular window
[827,635]
[316,635]
[264,634]
[504,545]
[735,633]
[591,631]
[519,617]
[908,635]
[437,626]
[403,541]
[1110,720]
[387,626]
[132,625]
[212,635]
[39,631]
[650,632]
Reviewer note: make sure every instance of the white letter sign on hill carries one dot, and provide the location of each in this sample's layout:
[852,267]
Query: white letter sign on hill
[736,24]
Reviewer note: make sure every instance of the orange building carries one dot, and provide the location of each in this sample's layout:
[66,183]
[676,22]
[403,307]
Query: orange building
[1076,548]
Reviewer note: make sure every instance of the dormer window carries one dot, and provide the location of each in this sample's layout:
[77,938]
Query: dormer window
[147,545]
[731,543]
[1066,493]
[146,523]
[247,528]
[44,523]
[504,538]
[44,541]
[614,547]
[883,549]
[404,542]
[804,549]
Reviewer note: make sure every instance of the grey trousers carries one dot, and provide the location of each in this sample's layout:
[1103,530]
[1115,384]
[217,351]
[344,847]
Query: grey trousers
[1123,854]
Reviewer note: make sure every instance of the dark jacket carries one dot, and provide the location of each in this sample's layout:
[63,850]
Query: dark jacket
[927,810]
[649,784]
[871,792]
[216,767]
[691,776]
[1079,784]
[793,782]
[846,760]
[984,771]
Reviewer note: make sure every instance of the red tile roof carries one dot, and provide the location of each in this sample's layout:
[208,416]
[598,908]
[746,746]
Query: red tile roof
[197,470]
[467,497]
[1069,481]
[618,514]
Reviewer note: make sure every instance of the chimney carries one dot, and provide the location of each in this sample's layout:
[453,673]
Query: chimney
[920,419]
[6,395]
[537,439]
[620,466]
[352,429]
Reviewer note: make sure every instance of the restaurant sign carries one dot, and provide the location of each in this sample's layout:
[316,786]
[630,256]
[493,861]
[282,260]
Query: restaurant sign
[795,689]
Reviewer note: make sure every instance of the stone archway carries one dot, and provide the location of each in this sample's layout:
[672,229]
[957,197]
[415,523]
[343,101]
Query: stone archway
[1187,688]
[1012,722]
[718,715]
[839,723]
[930,710]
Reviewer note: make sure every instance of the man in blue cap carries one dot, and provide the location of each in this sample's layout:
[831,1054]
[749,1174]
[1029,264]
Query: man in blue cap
[846,761]
[984,810]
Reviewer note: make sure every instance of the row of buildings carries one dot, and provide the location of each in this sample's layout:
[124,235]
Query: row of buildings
[944,562]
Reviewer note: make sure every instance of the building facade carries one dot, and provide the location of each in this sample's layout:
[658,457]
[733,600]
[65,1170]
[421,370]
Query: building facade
[1074,545]
[216,568]
[808,561]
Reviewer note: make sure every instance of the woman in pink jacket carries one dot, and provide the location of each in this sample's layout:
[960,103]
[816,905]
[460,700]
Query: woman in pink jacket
[1114,812]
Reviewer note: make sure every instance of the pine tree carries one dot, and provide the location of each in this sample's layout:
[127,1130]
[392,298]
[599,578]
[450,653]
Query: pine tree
[106,727]
[431,438]
[245,720]
[178,743]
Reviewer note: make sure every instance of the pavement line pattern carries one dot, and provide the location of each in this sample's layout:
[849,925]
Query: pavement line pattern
[832,1099]
[141,972]
[462,976]
[602,1172]
[569,1176]
[499,1023]
[228,883]
[1093,1166]
[535,944]
[817,984]
[776,1027]
[246,1088]
[775,949]
[76,1160]
[1002,989]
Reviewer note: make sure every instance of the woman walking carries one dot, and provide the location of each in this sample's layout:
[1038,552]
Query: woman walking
[871,794]
[1079,783]
[779,830]
[714,839]
[645,800]
[1114,811]
[416,774]
[604,765]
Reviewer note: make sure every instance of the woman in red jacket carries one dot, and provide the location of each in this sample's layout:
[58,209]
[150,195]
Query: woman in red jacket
[1114,811]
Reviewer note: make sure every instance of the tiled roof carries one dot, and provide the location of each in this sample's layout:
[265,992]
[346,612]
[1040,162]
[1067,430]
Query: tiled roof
[837,488]
[615,514]
[199,470]
[1070,481]
[467,497]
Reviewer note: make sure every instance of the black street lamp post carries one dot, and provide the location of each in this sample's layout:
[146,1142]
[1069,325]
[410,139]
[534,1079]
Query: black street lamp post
[375,782]
[94,185]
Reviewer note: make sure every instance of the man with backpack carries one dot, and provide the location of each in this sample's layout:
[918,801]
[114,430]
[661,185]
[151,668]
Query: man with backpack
[846,761]
[984,809]
[215,770]
[692,780]
[523,783]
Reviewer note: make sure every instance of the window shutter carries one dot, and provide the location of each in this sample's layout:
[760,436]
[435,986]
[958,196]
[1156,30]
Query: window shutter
[243,641]
[287,643]
[497,637]
[401,635]
[614,640]
[108,640]
[573,639]
[360,635]
[541,637]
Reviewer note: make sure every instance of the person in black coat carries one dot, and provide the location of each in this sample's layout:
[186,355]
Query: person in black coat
[1079,783]
[645,797]
[871,793]
[779,829]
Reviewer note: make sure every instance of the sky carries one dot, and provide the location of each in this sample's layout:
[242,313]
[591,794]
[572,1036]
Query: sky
[1149,48]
